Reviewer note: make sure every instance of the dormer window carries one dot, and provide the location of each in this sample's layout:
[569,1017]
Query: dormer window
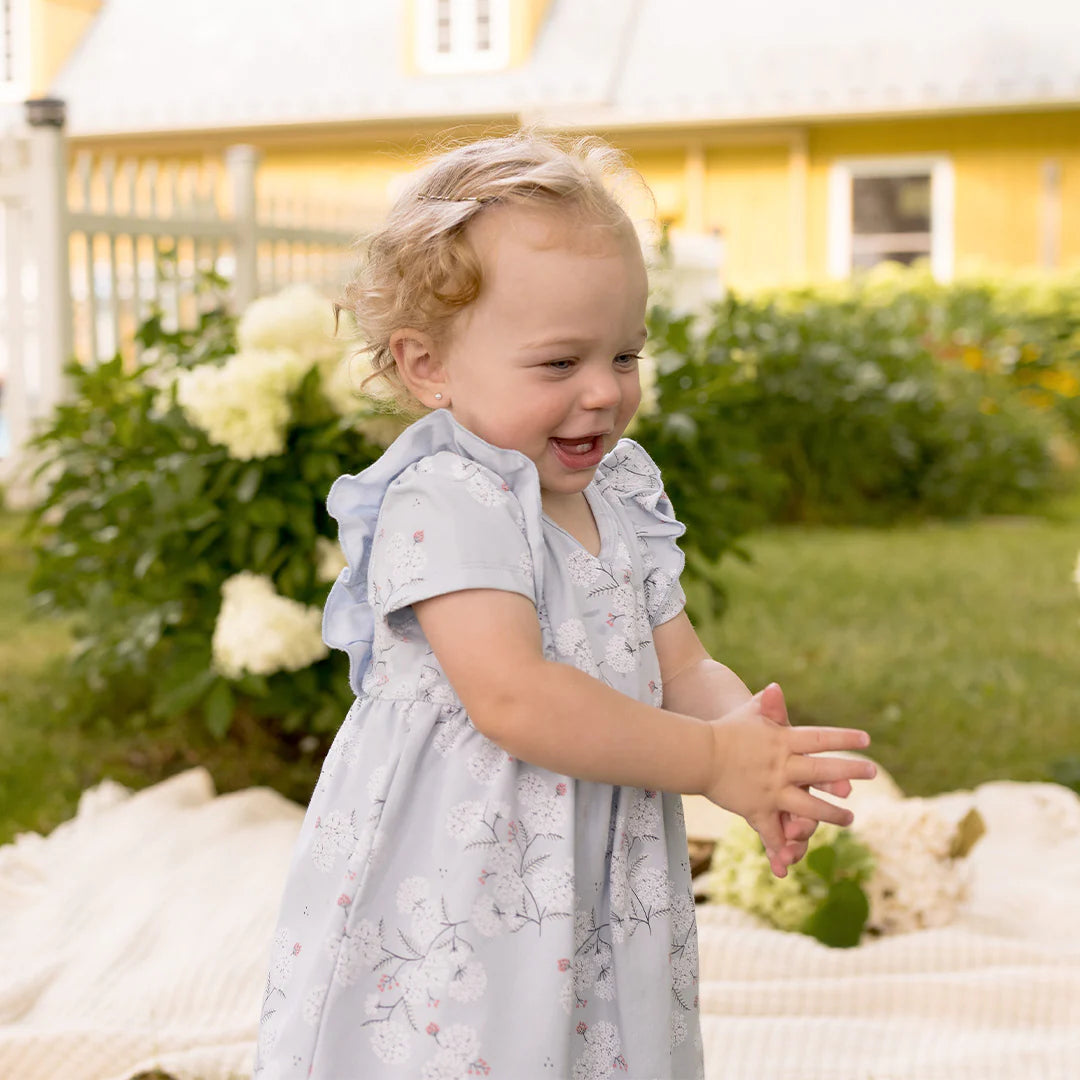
[459,36]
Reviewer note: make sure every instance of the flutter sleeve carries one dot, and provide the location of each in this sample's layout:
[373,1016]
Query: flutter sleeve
[447,523]
[631,479]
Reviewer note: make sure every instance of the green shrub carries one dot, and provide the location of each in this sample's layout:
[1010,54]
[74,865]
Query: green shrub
[829,405]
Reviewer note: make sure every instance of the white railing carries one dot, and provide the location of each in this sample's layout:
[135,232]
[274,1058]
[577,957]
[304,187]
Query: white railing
[92,247]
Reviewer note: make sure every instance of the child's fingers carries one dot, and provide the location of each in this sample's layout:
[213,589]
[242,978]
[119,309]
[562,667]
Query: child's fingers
[798,801]
[815,740]
[772,704]
[814,771]
[772,836]
[840,788]
[797,828]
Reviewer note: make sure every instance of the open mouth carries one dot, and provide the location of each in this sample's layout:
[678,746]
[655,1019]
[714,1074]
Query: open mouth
[583,452]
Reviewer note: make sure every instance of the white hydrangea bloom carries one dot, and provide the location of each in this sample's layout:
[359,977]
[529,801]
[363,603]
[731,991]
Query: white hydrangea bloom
[330,559]
[261,632]
[915,884]
[298,317]
[243,404]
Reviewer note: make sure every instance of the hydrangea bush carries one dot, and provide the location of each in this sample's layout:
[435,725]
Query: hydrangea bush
[185,523]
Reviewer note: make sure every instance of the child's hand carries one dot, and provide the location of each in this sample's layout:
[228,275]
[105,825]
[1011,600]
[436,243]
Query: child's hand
[763,773]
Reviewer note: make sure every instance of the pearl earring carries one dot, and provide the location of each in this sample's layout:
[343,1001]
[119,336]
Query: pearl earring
[438,397]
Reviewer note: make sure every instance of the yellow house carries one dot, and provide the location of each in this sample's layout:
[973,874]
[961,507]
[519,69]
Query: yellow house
[799,140]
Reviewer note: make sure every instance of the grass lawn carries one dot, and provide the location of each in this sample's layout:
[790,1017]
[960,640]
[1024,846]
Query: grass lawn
[957,646]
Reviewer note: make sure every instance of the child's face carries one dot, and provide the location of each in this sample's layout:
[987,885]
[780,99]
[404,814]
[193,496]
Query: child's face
[543,360]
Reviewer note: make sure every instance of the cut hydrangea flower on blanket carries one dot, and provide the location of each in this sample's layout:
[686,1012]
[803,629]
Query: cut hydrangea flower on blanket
[900,868]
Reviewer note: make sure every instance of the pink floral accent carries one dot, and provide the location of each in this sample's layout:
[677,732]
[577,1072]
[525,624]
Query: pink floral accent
[296,949]
[433,1028]
[418,536]
[652,685]
[620,1061]
[480,1067]
[582,1027]
[610,619]
[564,964]
[650,794]
[484,875]
[344,900]
[560,789]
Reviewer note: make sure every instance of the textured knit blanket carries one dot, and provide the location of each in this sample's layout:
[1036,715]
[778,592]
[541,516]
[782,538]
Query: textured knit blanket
[136,936]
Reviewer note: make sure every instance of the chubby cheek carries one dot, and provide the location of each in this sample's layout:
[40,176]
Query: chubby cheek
[630,402]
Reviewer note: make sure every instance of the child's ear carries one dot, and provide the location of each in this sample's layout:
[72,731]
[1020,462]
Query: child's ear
[420,366]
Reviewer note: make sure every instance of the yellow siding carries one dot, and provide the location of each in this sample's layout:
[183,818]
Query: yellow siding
[55,29]
[748,197]
[665,173]
[526,17]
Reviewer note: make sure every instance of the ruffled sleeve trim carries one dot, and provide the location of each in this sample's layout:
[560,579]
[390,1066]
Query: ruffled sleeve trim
[629,478]
[354,502]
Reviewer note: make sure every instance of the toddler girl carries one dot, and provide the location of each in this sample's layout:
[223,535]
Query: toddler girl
[492,878]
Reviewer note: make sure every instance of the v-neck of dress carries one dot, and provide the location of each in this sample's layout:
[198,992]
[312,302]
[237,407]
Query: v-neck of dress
[600,510]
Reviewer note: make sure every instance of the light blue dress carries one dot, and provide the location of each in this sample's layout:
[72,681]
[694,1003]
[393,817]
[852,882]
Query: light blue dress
[451,911]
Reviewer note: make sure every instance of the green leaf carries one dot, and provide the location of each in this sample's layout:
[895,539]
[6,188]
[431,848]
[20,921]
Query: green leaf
[183,690]
[248,483]
[264,545]
[968,831]
[822,861]
[840,919]
[218,709]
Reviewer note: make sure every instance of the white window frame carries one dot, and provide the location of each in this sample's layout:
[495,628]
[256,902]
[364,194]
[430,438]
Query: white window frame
[463,55]
[17,87]
[942,207]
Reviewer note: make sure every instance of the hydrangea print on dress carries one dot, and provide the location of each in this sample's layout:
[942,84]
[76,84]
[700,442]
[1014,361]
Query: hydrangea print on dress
[451,911]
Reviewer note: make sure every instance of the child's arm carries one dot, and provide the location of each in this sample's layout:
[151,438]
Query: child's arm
[488,643]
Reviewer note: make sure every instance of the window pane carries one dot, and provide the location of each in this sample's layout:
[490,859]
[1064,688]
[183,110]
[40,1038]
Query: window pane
[442,38]
[890,204]
[7,59]
[483,25]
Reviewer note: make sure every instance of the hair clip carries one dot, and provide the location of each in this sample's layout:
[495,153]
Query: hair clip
[451,198]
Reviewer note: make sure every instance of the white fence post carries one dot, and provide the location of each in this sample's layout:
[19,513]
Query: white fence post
[49,232]
[242,163]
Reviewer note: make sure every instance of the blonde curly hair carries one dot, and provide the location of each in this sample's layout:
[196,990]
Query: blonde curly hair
[418,268]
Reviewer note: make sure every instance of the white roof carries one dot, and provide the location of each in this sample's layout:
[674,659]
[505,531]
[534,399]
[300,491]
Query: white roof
[157,65]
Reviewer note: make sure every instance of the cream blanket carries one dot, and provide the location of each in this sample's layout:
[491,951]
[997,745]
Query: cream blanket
[136,936]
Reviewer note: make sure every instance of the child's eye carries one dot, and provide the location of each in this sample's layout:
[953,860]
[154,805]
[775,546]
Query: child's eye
[627,359]
[560,365]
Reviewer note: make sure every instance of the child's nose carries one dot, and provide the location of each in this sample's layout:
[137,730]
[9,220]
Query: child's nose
[602,390]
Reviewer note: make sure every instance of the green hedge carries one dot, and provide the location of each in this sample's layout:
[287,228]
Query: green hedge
[850,404]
